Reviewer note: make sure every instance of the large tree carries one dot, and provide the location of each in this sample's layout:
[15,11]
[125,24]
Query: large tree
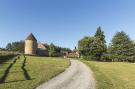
[85,47]
[93,47]
[122,47]
[100,43]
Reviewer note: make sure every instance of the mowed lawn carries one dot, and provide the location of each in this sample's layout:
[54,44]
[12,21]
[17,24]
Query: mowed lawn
[21,73]
[113,75]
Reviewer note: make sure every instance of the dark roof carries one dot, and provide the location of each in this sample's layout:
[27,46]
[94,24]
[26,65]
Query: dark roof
[31,37]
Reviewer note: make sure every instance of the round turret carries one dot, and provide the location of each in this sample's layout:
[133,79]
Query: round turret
[31,45]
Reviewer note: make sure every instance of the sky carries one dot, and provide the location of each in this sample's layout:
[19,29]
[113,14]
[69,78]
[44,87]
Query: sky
[64,22]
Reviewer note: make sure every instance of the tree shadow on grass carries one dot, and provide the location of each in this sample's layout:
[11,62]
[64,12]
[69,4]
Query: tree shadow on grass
[18,80]
[7,71]
[26,74]
[3,78]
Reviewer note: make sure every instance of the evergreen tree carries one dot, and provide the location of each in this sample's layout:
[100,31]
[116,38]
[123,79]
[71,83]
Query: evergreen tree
[100,35]
[100,46]
[122,47]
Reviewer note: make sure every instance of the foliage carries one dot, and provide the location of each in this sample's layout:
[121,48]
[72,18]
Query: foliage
[55,51]
[122,48]
[85,47]
[101,47]
[93,47]
[16,46]
[52,50]
[100,35]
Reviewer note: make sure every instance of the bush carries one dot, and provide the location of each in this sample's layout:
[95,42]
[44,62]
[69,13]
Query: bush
[131,59]
[107,57]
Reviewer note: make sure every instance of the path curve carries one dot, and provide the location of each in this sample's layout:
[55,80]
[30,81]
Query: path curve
[77,76]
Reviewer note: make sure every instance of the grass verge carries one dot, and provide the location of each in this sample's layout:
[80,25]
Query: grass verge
[113,75]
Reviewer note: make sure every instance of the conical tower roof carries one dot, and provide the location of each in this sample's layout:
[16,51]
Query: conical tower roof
[31,37]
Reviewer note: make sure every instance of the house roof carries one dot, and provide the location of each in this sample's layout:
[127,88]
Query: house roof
[31,37]
[42,46]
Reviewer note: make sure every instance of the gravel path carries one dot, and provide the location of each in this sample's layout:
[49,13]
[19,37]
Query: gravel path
[77,76]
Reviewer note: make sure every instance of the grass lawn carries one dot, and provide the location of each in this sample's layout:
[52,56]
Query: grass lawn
[113,75]
[21,73]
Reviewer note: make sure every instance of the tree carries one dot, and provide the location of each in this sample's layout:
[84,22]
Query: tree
[9,46]
[57,50]
[85,47]
[65,49]
[122,47]
[16,46]
[52,49]
[100,34]
[93,47]
[100,46]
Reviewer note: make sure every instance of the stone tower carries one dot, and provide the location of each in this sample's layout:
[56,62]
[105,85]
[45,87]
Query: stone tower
[31,45]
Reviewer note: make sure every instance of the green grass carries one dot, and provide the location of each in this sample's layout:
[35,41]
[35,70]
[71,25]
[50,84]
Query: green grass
[113,75]
[29,74]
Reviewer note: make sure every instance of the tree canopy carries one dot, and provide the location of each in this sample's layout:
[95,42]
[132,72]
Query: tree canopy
[56,50]
[17,46]
[93,46]
[122,47]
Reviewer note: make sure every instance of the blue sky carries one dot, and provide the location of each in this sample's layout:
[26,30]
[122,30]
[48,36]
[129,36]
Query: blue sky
[64,22]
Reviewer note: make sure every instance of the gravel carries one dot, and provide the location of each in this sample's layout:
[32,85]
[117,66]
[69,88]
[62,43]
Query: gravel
[77,76]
